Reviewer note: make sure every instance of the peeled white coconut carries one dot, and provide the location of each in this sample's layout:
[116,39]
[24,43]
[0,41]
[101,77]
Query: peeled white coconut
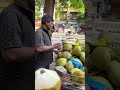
[46,80]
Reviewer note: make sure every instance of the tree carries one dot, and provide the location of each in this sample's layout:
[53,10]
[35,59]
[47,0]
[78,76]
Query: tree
[77,4]
[38,5]
[49,7]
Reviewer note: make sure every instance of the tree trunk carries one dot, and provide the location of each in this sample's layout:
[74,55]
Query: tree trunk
[49,7]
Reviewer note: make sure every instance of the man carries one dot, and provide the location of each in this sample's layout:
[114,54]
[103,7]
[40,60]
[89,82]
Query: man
[17,46]
[44,48]
[51,31]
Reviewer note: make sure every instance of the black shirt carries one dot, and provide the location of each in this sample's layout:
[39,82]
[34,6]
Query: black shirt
[16,30]
[42,38]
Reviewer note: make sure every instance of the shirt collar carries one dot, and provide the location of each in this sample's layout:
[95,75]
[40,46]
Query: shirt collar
[46,31]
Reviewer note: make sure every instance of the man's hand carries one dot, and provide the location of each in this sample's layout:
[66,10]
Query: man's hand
[56,45]
[56,51]
[47,48]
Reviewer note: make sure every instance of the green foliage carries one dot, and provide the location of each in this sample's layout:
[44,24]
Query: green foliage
[63,3]
[59,12]
[80,16]
[77,4]
[37,12]
[38,5]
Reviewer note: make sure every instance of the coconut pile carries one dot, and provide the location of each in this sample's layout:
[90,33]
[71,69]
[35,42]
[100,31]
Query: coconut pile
[103,62]
[71,55]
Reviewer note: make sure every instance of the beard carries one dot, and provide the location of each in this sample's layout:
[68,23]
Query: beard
[48,28]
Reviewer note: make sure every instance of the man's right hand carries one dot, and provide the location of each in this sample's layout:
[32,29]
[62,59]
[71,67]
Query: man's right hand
[56,45]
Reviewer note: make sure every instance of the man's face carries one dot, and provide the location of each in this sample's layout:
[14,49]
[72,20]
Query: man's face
[49,25]
[51,31]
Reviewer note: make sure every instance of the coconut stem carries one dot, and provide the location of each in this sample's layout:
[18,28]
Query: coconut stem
[42,71]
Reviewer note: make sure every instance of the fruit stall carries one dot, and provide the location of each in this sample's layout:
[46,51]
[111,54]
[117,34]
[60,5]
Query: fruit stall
[70,64]
[68,72]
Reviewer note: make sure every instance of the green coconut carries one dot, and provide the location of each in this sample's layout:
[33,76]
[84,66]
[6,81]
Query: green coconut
[71,51]
[61,62]
[74,70]
[113,73]
[65,40]
[69,66]
[103,81]
[77,50]
[67,47]
[66,54]
[83,48]
[101,57]
[82,57]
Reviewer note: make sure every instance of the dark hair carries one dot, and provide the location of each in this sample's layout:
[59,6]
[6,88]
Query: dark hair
[46,18]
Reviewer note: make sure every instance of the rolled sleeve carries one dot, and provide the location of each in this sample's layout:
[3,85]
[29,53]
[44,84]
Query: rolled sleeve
[39,39]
